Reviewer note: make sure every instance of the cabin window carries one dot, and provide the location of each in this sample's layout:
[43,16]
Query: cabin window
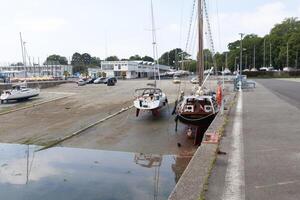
[207,108]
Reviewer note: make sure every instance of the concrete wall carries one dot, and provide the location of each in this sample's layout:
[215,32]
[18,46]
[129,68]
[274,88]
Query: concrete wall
[192,183]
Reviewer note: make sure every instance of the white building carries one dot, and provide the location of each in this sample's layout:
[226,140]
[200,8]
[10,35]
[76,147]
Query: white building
[131,69]
[94,72]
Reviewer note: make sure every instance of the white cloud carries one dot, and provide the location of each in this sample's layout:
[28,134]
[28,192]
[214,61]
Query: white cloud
[174,28]
[40,24]
[16,171]
[259,21]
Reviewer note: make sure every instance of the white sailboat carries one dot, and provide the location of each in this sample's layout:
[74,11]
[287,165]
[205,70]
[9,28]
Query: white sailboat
[20,92]
[152,98]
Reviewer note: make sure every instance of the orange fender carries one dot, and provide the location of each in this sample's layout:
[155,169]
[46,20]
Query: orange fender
[219,95]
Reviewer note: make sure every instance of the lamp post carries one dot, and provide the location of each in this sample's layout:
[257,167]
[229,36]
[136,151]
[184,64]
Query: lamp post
[241,61]
[241,52]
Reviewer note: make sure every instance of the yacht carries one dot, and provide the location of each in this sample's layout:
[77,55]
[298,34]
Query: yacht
[19,92]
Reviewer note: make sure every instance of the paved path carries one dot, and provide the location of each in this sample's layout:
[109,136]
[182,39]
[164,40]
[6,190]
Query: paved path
[269,150]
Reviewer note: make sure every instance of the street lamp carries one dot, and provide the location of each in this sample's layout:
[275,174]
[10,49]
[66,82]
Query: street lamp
[241,61]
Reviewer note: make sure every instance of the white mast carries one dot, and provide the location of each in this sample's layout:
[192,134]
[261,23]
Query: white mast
[23,54]
[156,70]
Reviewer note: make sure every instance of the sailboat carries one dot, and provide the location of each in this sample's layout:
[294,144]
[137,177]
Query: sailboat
[200,107]
[152,98]
[20,92]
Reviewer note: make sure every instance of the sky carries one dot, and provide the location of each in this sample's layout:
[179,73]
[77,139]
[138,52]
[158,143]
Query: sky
[123,27]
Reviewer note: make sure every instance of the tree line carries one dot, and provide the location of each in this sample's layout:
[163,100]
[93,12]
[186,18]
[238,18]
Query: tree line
[268,51]
[278,49]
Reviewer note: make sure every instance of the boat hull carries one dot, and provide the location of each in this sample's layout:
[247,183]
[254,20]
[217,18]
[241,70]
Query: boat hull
[19,95]
[195,120]
[19,98]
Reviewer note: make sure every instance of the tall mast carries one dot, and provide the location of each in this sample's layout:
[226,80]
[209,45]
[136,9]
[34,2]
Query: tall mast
[241,54]
[200,58]
[154,44]
[23,54]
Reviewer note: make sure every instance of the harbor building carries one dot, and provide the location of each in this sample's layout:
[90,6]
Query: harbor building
[94,72]
[131,69]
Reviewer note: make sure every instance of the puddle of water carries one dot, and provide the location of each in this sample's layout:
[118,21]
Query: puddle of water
[68,173]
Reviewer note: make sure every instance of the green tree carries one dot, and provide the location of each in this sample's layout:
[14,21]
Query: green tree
[56,60]
[173,57]
[135,57]
[112,58]
[148,59]
[86,59]
[76,59]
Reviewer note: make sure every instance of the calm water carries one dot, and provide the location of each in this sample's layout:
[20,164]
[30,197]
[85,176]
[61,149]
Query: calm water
[67,173]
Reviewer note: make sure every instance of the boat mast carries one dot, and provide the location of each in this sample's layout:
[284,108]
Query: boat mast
[23,54]
[200,58]
[154,44]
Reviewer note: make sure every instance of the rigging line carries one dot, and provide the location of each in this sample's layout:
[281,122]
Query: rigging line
[212,48]
[190,25]
[188,39]
[181,23]
[218,22]
[194,38]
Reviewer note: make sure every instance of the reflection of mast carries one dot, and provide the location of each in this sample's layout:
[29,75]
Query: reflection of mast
[28,164]
[149,161]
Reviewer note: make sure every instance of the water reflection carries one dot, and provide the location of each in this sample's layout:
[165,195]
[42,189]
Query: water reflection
[151,161]
[66,173]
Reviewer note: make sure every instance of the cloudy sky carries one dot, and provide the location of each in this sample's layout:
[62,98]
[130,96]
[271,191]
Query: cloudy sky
[121,27]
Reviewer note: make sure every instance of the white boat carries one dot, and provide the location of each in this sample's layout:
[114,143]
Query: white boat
[19,93]
[151,99]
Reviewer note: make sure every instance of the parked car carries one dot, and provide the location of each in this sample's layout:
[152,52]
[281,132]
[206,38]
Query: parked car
[100,80]
[111,82]
[195,80]
[113,79]
[81,82]
[176,80]
[91,80]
